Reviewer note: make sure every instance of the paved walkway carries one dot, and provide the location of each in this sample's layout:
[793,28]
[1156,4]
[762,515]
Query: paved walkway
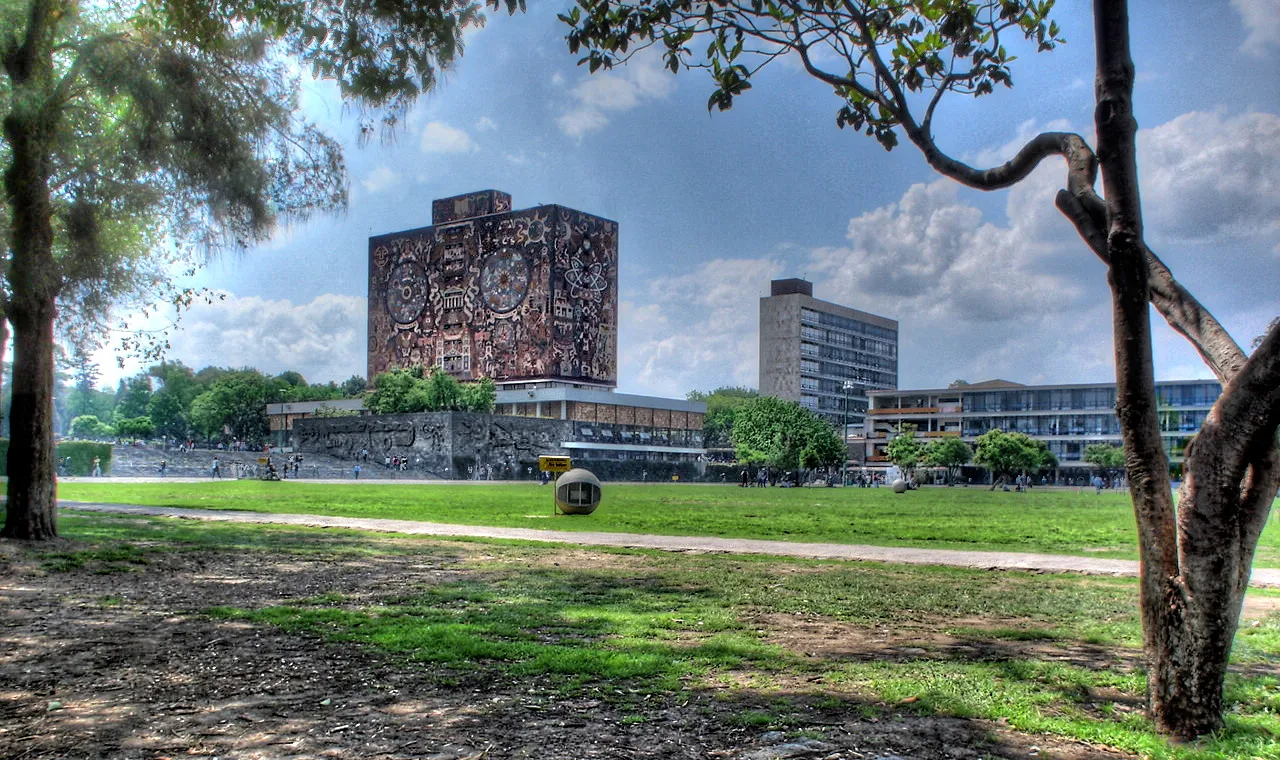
[1050,563]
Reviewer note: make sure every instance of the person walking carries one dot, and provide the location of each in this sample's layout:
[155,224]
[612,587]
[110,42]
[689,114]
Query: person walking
[216,470]
[97,467]
[356,471]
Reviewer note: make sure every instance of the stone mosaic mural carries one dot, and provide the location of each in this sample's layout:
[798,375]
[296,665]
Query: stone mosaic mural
[530,294]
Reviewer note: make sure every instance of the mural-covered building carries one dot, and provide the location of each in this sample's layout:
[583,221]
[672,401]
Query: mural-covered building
[517,296]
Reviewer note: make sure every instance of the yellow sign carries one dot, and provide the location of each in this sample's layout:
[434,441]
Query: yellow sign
[554,464]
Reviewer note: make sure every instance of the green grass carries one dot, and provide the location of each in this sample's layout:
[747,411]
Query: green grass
[626,625]
[1054,522]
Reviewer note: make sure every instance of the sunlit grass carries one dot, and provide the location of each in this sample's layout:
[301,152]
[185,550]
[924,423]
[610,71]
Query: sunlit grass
[1055,522]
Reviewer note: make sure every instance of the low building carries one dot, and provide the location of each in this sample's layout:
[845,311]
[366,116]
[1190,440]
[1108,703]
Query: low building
[619,435]
[280,417]
[1068,418]
[615,426]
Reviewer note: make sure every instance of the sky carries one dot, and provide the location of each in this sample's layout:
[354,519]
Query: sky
[712,206]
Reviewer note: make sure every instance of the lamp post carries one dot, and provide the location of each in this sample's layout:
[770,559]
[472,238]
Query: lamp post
[844,436]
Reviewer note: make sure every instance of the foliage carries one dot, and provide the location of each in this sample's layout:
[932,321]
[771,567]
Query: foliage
[723,404]
[135,427]
[1107,457]
[400,391]
[1011,453]
[140,137]
[479,396]
[89,426]
[949,452]
[235,405]
[774,431]
[82,454]
[905,450]
[133,396]
[330,411]
[170,404]
[354,386]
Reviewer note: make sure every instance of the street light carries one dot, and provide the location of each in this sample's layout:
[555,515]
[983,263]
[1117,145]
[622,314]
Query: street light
[844,435]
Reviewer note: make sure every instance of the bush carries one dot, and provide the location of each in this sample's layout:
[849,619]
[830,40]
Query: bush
[82,454]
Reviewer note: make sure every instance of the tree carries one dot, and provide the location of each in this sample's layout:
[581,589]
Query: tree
[441,392]
[170,404]
[89,426]
[1107,457]
[889,65]
[391,391]
[723,404]
[134,427]
[137,134]
[905,450]
[354,386]
[479,396]
[949,452]
[133,396]
[775,431]
[1007,454]
[235,405]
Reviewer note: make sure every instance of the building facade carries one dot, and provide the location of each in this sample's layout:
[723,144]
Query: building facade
[1068,418]
[823,355]
[604,425]
[486,291]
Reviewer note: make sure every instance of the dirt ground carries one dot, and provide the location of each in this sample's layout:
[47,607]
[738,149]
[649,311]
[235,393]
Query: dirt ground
[126,665]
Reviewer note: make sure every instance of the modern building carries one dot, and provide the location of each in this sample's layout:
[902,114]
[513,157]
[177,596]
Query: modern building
[1066,417]
[515,296]
[823,355]
[616,426]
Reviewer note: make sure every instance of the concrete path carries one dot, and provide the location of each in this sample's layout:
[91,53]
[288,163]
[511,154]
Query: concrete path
[1050,563]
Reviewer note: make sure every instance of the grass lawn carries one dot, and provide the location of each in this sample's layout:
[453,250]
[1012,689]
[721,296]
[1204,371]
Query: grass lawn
[1053,655]
[1053,522]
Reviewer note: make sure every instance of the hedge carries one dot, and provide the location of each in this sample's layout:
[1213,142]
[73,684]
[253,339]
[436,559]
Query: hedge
[80,452]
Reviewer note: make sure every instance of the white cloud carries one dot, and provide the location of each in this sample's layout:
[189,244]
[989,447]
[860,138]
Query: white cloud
[381,178]
[621,89]
[485,124]
[557,79]
[696,330]
[323,339]
[1207,176]
[1261,19]
[438,137]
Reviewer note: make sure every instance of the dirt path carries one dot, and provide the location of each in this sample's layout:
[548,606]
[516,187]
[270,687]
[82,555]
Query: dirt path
[1052,563]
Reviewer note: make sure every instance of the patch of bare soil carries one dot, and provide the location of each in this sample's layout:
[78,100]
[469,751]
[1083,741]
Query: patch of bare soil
[836,640]
[127,665]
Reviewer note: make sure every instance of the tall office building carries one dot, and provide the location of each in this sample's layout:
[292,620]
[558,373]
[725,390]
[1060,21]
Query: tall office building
[824,355]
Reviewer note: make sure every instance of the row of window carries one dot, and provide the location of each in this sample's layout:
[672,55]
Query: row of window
[825,319]
[864,358]
[867,378]
[844,340]
[1196,394]
[641,456]
[1078,424]
[602,432]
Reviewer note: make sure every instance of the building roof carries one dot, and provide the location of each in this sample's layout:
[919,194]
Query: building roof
[552,394]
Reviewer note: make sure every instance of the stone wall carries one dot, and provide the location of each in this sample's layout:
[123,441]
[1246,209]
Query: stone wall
[438,444]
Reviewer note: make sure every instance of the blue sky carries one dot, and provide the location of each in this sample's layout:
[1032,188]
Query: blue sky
[712,206]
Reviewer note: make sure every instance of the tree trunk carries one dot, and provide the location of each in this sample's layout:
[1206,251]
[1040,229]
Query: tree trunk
[33,279]
[31,512]
[1195,566]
